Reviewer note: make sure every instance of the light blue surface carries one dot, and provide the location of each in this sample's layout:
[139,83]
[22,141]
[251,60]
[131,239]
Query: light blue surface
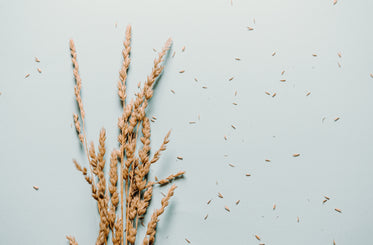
[38,141]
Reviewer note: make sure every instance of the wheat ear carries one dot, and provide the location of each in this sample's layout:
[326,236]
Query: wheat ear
[171,177]
[152,225]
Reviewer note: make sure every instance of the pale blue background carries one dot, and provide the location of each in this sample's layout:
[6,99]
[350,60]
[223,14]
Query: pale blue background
[37,140]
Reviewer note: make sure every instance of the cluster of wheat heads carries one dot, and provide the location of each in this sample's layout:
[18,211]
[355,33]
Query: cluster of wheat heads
[132,162]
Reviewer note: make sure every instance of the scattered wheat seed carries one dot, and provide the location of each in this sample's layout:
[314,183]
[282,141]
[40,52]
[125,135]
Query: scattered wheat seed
[273,95]
[250,28]
[232,165]
[226,208]
[238,202]
[182,71]
[308,93]
[254,20]
[283,80]
[274,53]
[324,201]
[180,158]
[335,2]
[248,175]
[163,194]
[234,103]
[37,59]
[298,219]
[206,216]
[371,75]
[192,122]
[27,75]
[234,127]
[225,137]
[195,79]
[208,202]
[39,70]
[156,178]
[296,155]
[154,50]
[230,79]
[334,242]
[338,210]
[326,197]
[205,87]
[267,93]
[267,160]
[220,195]
[173,91]
[173,54]
[314,55]
[183,49]
[186,239]
[154,117]
[36,187]
[339,65]
[274,206]
[152,120]
[339,55]
[237,58]
[257,237]
[282,73]
[138,85]
[336,119]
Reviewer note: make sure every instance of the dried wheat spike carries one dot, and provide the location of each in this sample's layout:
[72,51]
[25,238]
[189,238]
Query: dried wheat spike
[152,225]
[125,65]
[171,177]
[157,154]
[78,80]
